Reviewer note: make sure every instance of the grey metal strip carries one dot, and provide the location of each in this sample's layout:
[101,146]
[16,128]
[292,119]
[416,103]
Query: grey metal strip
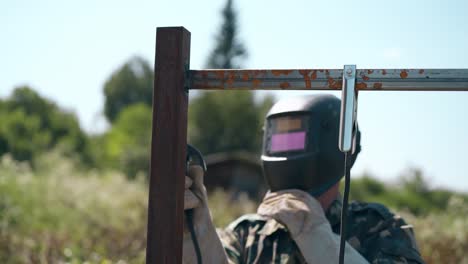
[331,79]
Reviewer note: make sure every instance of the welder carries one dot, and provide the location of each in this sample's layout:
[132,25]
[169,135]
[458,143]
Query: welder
[299,218]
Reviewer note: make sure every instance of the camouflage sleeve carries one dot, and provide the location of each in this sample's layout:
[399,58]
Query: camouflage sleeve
[231,244]
[388,238]
[234,237]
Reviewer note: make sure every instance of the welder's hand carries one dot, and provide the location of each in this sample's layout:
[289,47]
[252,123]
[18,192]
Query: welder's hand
[195,191]
[196,199]
[309,228]
[297,210]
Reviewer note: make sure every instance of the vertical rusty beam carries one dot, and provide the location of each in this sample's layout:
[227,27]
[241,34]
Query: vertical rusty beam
[168,146]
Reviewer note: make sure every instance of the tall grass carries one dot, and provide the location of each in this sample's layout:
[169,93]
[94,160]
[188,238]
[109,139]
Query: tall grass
[59,213]
[443,237]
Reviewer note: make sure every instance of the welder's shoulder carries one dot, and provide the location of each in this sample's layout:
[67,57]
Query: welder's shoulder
[239,234]
[372,211]
[373,218]
[382,235]
[246,220]
[253,224]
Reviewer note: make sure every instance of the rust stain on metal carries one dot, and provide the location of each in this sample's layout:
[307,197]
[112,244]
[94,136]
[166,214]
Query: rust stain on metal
[365,78]
[245,76]
[256,83]
[403,74]
[230,78]
[314,75]
[361,85]
[257,72]
[220,74]
[204,84]
[305,73]
[370,71]
[377,86]
[285,85]
[279,72]
[384,72]
[332,84]
[421,71]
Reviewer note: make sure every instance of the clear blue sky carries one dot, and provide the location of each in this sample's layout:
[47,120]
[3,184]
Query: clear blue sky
[67,49]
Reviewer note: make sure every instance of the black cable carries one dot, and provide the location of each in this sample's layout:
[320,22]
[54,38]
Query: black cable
[192,151]
[189,216]
[344,210]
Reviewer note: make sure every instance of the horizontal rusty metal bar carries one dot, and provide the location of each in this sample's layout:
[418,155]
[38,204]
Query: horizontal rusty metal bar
[331,79]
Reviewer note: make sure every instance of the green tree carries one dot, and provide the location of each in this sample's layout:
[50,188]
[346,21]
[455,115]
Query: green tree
[227,121]
[228,51]
[413,192]
[131,83]
[127,144]
[21,135]
[32,124]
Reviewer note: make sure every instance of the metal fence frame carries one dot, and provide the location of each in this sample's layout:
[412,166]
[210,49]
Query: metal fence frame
[173,80]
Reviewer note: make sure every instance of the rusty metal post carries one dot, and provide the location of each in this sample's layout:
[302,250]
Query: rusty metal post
[168,146]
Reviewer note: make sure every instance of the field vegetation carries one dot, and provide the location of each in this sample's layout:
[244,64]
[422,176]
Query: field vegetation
[74,196]
[59,212]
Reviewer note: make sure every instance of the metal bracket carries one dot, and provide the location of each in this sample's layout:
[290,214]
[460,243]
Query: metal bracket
[348,110]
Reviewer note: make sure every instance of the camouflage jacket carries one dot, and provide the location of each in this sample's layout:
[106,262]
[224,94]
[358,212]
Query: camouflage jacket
[376,233]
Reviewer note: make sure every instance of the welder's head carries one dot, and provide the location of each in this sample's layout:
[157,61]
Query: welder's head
[300,144]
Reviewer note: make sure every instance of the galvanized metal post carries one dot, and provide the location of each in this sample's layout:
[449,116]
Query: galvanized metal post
[168,146]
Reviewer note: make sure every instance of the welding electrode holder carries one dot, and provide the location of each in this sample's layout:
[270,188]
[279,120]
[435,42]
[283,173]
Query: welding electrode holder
[347,142]
[348,115]
[192,153]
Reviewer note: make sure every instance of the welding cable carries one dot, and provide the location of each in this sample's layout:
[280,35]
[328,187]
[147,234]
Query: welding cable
[344,209]
[191,150]
[189,216]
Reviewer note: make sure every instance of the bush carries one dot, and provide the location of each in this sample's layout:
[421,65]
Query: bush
[127,144]
[443,237]
[414,194]
[58,213]
[32,124]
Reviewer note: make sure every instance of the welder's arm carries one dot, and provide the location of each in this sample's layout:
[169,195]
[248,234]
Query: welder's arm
[308,226]
[211,249]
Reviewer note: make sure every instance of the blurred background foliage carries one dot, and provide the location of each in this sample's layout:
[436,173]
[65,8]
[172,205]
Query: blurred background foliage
[131,83]
[235,125]
[32,124]
[59,212]
[411,192]
[67,196]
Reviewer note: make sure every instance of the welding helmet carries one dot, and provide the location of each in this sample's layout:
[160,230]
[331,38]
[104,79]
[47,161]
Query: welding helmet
[300,144]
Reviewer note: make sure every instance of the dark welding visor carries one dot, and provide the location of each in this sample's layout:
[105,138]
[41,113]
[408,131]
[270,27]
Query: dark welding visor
[286,134]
